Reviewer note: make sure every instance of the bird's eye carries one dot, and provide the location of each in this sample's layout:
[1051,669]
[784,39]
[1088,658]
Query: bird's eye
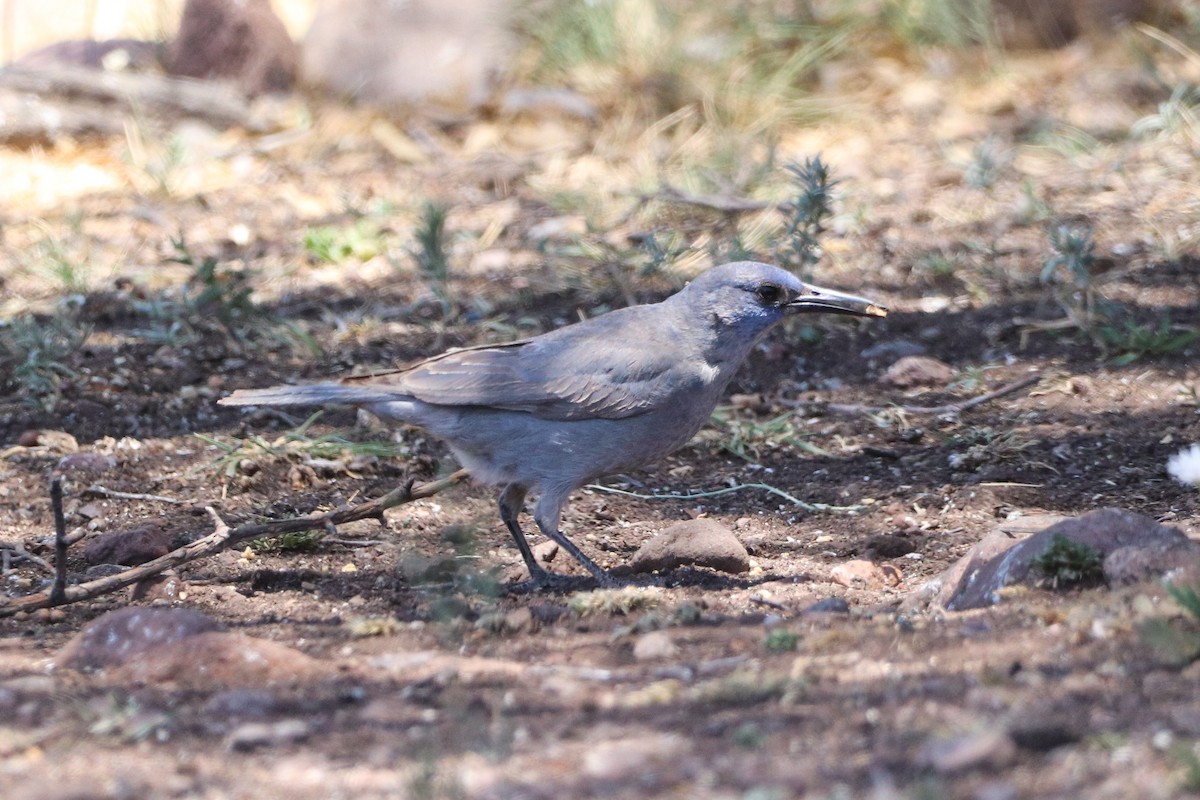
[769,293]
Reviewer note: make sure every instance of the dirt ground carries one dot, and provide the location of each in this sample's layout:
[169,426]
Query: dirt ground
[428,679]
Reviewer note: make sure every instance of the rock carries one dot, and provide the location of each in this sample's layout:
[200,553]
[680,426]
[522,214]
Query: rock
[699,542]
[654,646]
[990,749]
[913,371]
[93,463]
[119,635]
[220,660]
[830,605]
[860,573]
[390,54]
[166,585]
[545,552]
[240,41]
[253,735]
[939,591]
[1133,547]
[130,546]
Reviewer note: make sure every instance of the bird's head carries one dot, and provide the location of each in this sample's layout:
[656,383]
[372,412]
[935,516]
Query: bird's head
[748,298]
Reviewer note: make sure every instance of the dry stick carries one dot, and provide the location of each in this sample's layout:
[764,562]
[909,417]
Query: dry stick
[57,592]
[224,537]
[100,491]
[955,408]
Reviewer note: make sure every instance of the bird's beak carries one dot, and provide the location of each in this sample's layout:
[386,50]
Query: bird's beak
[814,299]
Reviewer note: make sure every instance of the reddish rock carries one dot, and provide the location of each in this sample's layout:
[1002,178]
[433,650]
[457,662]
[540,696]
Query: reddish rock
[119,635]
[860,573]
[217,660]
[239,41]
[130,546]
[694,542]
[913,371]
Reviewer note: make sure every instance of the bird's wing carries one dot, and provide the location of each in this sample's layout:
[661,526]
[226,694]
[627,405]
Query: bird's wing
[611,367]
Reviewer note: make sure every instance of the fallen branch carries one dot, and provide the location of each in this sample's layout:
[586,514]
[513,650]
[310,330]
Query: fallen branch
[100,491]
[948,408]
[209,100]
[224,537]
[9,550]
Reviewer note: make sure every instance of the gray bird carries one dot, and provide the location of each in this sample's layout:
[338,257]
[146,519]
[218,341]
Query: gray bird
[550,413]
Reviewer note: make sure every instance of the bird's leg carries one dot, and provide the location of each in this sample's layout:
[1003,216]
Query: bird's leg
[547,515]
[511,501]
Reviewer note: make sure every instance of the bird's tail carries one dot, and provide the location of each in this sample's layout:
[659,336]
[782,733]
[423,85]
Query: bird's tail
[310,395]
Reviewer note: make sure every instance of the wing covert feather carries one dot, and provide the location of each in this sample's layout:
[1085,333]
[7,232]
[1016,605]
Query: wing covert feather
[584,371]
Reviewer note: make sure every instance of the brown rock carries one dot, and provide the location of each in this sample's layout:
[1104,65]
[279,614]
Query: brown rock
[130,547]
[119,635]
[166,585]
[699,542]
[912,371]
[219,660]
[240,41]
[860,573]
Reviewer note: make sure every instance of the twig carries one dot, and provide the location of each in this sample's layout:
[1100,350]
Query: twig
[100,491]
[17,549]
[948,408]
[766,487]
[762,601]
[223,537]
[57,592]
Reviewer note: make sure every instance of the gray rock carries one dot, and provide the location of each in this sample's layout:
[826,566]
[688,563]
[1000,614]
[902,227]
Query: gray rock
[118,636]
[695,542]
[830,605]
[1134,548]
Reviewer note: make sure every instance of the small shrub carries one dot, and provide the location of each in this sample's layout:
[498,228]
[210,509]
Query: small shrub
[1066,563]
